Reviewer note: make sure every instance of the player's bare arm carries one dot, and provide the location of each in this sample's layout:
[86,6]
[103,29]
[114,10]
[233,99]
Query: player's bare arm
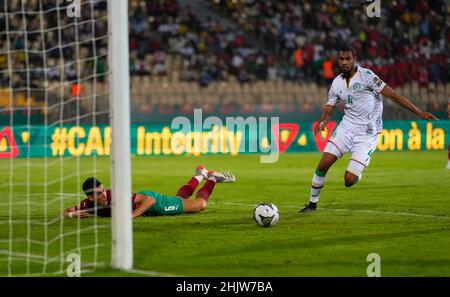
[324,119]
[144,202]
[72,212]
[402,101]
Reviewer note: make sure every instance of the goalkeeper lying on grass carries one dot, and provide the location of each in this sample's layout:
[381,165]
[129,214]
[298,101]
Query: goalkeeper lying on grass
[149,203]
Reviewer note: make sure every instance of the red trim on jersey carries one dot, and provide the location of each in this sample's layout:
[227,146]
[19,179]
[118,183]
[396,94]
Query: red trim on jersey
[336,147]
[358,162]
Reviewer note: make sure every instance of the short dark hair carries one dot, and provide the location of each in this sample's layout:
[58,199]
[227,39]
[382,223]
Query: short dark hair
[347,48]
[90,184]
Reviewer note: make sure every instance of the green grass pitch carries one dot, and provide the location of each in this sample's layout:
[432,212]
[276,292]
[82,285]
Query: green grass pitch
[400,210]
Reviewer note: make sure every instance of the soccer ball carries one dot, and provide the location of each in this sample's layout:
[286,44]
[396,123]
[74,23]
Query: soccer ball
[266,214]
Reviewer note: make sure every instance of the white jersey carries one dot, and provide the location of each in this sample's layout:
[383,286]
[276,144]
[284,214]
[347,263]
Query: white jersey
[363,101]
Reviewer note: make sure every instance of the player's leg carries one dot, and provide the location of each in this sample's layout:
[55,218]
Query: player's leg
[203,195]
[353,174]
[196,205]
[318,180]
[448,163]
[334,150]
[186,190]
[362,151]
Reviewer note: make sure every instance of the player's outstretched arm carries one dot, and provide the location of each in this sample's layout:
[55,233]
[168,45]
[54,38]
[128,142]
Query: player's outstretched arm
[72,212]
[144,202]
[324,119]
[402,101]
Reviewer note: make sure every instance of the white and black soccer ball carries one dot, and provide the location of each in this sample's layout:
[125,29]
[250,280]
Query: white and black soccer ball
[266,214]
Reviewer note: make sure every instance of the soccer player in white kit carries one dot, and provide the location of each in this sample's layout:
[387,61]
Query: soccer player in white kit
[361,90]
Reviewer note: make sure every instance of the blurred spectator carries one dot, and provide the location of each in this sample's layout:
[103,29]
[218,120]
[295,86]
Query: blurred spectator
[312,30]
[272,40]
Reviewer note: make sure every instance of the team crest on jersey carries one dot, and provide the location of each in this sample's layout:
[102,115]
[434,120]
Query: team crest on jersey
[377,81]
[357,87]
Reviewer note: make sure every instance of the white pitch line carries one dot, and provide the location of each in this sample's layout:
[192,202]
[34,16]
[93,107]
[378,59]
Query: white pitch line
[39,274]
[355,210]
[150,273]
[67,194]
[42,194]
[137,271]
[388,213]
[327,209]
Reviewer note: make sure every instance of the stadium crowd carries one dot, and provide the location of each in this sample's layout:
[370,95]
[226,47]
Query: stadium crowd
[408,42]
[273,41]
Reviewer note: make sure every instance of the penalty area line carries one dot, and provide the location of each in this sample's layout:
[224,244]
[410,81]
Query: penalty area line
[366,211]
[149,273]
[385,213]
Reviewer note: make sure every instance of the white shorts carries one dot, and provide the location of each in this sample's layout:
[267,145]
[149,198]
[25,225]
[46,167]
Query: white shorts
[355,139]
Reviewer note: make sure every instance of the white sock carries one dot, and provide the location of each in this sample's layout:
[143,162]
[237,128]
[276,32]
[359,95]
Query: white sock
[316,187]
[213,179]
[199,178]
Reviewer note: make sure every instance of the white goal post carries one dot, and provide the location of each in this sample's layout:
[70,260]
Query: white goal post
[119,84]
[64,102]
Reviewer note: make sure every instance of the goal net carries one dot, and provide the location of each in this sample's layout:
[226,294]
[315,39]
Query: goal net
[54,133]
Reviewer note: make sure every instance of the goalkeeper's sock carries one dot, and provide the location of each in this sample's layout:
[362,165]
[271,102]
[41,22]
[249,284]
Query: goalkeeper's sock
[206,190]
[186,191]
[317,184]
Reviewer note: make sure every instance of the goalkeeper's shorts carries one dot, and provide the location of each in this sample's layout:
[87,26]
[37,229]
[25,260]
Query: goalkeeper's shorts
[164,205]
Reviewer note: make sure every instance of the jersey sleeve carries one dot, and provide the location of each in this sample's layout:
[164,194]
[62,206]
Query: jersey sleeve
[86,204]
[374,82]
[333,97]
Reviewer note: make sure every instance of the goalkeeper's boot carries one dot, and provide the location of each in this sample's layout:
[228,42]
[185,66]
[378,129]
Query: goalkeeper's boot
[311,207]
[222,177]
[201,170]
